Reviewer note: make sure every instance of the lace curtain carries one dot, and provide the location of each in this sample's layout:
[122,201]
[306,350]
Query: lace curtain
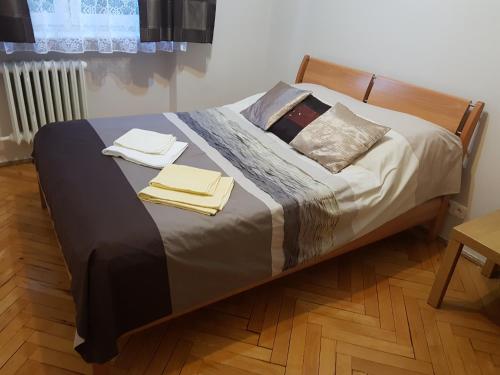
[76,26]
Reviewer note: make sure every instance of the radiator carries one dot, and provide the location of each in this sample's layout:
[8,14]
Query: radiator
[42,92]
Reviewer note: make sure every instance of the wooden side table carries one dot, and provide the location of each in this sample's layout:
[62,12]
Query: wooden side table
[482,235]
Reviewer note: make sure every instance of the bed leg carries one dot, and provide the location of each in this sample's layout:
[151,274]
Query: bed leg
[42,198]
[437,223]
[98,369]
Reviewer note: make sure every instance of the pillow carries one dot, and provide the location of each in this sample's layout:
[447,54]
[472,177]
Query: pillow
[298,118]
[337,138]
[273,105]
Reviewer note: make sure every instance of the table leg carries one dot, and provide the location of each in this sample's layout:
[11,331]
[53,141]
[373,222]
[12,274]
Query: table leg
[445,272]
[488,268]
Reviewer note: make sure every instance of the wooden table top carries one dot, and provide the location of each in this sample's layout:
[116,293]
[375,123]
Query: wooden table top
[482,234]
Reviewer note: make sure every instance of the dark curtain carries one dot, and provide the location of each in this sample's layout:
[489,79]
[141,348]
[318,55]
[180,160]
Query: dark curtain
[177,20]
[15,22]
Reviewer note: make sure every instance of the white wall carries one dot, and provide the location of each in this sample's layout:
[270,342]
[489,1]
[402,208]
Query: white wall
[250,39]
[448,45]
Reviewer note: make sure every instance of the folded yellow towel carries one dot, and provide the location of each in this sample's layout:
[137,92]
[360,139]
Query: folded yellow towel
[208,205]
[187,179]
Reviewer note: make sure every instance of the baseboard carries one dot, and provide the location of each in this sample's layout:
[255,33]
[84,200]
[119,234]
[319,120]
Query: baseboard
[15,162]
[474,257]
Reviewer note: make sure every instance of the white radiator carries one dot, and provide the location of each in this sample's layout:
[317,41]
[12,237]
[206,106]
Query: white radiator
[42,92]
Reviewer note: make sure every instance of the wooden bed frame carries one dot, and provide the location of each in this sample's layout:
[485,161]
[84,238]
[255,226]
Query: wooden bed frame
[455,114]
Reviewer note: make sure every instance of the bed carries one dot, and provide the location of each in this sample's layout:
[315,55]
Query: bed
[135,264]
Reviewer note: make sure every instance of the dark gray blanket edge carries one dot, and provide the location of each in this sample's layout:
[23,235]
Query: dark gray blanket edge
[118,282]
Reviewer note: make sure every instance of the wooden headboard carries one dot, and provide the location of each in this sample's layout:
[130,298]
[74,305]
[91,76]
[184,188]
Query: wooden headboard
[453,113]
[340,78]
[445,110]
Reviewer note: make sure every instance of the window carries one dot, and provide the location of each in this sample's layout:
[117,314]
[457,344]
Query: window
[76,26]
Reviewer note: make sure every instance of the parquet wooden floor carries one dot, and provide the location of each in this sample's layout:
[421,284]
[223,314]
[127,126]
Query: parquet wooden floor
[363,313]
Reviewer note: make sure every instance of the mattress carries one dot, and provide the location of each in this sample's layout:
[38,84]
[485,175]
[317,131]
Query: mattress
[134,262]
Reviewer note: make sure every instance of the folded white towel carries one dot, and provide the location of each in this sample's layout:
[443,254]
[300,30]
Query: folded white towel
[146,141]
[148,160]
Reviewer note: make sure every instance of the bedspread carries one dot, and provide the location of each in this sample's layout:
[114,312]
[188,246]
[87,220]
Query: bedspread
[134,262]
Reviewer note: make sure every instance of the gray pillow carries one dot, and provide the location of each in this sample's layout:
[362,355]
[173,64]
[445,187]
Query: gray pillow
[274,105]
[337,138]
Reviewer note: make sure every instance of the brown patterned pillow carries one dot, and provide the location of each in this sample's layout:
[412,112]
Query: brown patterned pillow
[298,118]
[337,138]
